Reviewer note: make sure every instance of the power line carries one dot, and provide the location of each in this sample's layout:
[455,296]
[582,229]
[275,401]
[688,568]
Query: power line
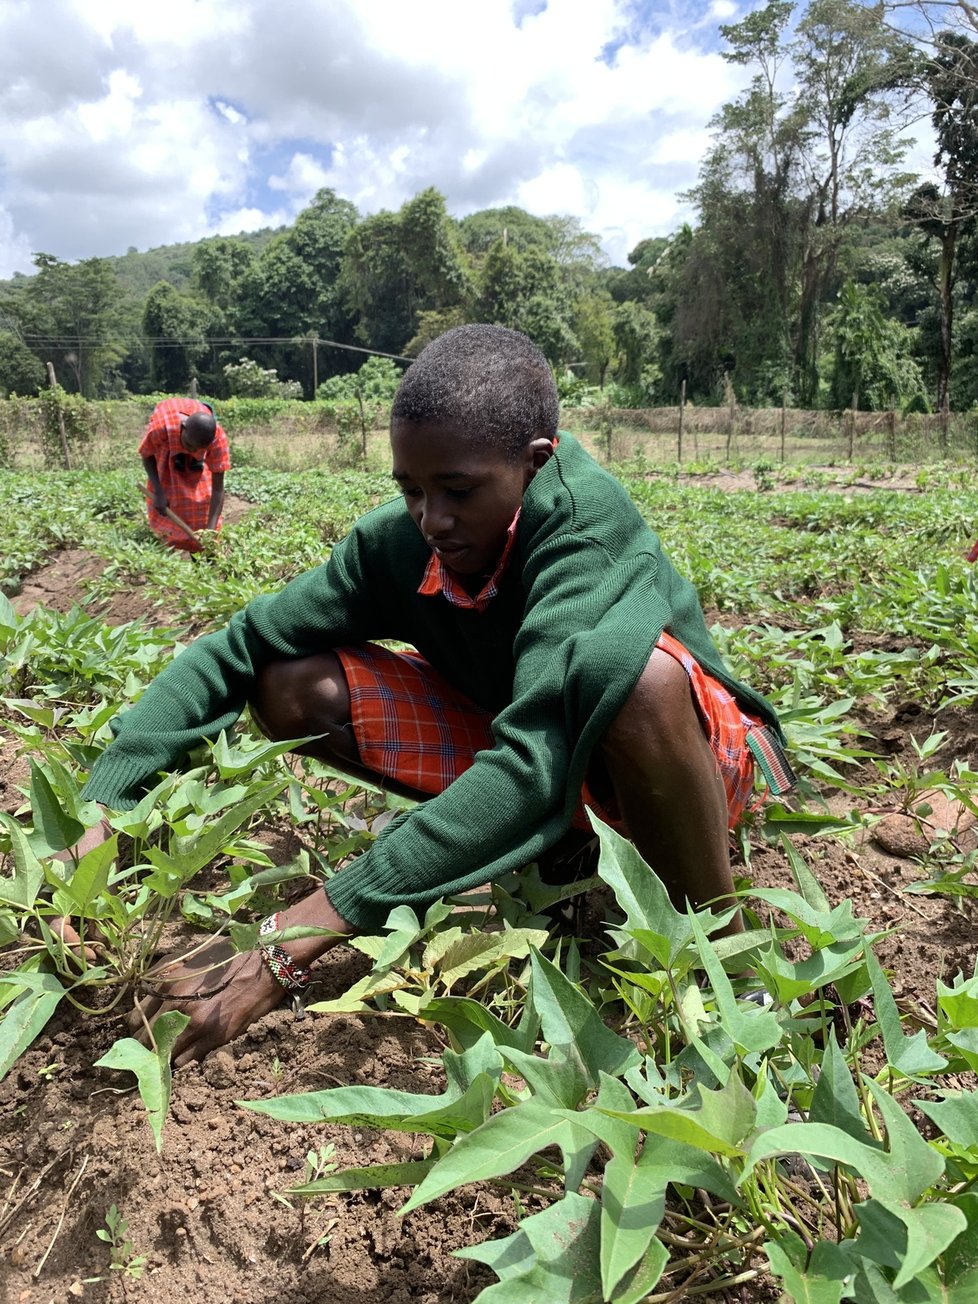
[176,342]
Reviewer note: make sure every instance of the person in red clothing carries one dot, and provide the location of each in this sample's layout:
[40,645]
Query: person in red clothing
[185,453]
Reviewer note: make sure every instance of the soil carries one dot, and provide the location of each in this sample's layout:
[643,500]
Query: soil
[74,1140]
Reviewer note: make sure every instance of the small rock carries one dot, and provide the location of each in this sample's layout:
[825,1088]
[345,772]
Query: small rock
[220,1069]
[898,835]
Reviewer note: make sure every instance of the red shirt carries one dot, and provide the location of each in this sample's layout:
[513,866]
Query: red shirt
[186,478]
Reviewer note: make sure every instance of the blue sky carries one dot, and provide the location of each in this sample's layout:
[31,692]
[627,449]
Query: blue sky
[140,124]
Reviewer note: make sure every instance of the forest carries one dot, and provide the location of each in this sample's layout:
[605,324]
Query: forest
[818,270]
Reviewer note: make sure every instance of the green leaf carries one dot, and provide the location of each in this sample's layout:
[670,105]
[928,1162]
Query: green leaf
[355,998]
[789,980]
[749,1027]
[911,1056]
[552,1258]
[557,1080]
[835,1099]
[958,1005]
[644,1276]
[57,828]
[571,1023]
[382,1107]
[22,888]
[79,894]
[472,951]
[468,1020]
[641,895]
[232,763]
[819,1278]
[26,1016]
[504,1142]
[151,1067]
[192,852]
[956,1114]
[819,928]
[716,1121]
[632,1198]
[808,884]
[929,1230]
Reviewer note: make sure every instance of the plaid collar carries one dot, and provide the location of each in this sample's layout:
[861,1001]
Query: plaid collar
[438,579]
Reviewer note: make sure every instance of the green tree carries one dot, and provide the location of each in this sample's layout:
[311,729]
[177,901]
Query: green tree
[399,265]
[873,368]
[67,313]
[524,290]
[594,326]
[637,337]
[173,324]
[794,167]
[219,267]
[946,214]
[20,371]
[292,293]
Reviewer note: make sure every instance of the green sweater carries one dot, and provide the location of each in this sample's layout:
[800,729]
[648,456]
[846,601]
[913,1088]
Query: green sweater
[554,657]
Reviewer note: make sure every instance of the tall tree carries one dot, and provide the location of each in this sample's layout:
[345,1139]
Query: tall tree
[174,327]
[67,313]
[944,214]
[399,265]
[293,291]
[524,290]
[799,157]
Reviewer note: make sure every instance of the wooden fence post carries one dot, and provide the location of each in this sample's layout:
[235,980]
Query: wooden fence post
[682,409]
[53,382]
[784,419]
[893,454]
[732,402]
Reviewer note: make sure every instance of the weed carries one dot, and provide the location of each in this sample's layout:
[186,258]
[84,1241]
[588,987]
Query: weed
[124,1258]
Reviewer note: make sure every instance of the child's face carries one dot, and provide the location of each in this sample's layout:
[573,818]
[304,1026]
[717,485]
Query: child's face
[461,496]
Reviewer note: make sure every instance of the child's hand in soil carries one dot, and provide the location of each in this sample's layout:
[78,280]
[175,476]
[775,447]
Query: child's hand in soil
[223,992]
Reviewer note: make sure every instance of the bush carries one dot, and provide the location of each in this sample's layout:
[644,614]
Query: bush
[246,379]
[376,383]
[68,422]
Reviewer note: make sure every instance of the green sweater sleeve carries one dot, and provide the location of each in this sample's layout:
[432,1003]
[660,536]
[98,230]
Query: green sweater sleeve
[574,668]
[206,687]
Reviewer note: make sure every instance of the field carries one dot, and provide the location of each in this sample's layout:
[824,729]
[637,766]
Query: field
[828,1150]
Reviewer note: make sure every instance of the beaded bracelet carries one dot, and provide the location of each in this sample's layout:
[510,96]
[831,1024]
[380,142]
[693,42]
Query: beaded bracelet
[284,968]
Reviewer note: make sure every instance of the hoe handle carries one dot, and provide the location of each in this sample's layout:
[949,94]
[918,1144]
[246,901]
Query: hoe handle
[178,521]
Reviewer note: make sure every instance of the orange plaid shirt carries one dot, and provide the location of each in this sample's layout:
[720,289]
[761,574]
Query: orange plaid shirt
[188,490]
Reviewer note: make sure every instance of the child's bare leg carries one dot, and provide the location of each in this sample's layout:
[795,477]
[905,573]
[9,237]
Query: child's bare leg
[668,787]
[294,699]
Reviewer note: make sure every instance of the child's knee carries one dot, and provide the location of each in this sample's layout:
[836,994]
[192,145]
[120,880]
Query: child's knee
[658,719]
[306,695]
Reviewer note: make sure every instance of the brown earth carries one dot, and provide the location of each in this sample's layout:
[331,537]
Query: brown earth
[74,1140]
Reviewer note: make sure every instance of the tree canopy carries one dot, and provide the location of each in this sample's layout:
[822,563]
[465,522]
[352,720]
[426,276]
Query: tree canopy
[815,269]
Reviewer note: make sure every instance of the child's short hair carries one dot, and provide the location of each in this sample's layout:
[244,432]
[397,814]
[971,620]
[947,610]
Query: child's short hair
[201,427]
[491,384]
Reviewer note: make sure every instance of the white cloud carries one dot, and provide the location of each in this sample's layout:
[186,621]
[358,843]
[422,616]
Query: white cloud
[140,124]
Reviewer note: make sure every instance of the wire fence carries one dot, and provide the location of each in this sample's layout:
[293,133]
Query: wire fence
[96,430]
[693,434]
